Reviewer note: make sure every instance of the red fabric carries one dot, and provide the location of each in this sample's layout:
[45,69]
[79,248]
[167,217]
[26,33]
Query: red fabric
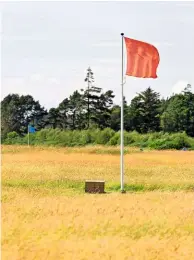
[142,59]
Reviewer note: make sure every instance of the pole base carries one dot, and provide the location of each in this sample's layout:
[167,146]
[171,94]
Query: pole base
[123,191]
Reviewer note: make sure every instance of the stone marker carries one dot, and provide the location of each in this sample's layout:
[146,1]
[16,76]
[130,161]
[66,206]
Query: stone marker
[93,186]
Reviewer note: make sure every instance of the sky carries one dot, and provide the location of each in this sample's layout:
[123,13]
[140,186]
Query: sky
[46,47]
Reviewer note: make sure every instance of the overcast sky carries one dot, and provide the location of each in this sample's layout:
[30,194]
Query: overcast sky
[46,47]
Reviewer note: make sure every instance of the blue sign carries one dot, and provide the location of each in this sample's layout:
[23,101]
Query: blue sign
[31,129]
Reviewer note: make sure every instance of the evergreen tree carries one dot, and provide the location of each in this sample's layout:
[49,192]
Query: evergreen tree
[64,113]
[90,97]
[102,114]
[76,112]
[179,114]
[18,111]
[53,119]
[116,117]
[144,112]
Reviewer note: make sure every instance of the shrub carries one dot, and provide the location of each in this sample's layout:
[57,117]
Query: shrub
[11,138]
[104,136]
[115,139]
[68,138]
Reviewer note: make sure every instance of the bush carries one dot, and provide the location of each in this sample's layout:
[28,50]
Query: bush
[104,136]
[85,137]
[68,138]
[170,141]
[115,139]
[41,136]
[12,138]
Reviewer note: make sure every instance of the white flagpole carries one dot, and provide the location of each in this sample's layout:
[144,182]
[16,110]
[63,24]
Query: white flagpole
[122,123]
[28,137]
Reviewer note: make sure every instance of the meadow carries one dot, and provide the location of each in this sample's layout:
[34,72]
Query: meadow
[47,215]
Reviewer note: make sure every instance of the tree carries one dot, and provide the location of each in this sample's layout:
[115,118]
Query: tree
[179,114]
[144,112]
[76,111]
[72,113]
[63,113]
[53,119]
[38,116]
[116,117]
[102,113]
[17,112]
[90,96]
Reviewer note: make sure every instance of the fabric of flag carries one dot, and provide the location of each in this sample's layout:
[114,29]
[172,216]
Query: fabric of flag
[142,59]
[32,129]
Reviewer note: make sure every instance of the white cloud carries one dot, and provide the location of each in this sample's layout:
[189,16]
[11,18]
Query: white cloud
[190,5]
[179,86]
[168,44]
[35,77]
[118,44]
[107,44]
[187,20]
[41,78]
[24,37]
[12,85]
[40,86]
[107,61]
[53,80]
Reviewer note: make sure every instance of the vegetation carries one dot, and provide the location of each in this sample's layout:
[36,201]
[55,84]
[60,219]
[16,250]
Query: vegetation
[92,109]
[107,136]
[47,215]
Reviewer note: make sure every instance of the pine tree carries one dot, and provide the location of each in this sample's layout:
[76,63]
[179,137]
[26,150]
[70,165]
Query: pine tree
[102,115]
[144,112]
[76,112]
[179,114]
[18,111]
[90,97]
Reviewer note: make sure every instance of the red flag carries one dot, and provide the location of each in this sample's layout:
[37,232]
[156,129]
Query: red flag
[142,59]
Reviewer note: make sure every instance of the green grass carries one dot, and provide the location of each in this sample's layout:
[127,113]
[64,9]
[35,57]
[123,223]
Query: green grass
[77,187]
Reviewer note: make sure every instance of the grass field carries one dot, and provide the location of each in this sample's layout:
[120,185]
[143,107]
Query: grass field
[47,215]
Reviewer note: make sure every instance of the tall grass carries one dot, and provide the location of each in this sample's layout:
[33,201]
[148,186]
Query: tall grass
[47,215]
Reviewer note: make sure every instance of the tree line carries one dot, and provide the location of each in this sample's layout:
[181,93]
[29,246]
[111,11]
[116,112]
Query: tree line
[92,108]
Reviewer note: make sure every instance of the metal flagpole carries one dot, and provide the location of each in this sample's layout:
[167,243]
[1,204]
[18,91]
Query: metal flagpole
[28,137]
[122,123]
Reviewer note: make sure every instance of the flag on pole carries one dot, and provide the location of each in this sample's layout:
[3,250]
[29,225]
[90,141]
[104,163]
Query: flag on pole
[142,59]
[142,62]
[31,129]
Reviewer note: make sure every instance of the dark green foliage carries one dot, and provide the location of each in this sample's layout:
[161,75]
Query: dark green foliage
[90,117]
[91,98]
[115,117]
[179,113]
[144,112]
[76,111]
[17,112]
[102,112]
[53,119]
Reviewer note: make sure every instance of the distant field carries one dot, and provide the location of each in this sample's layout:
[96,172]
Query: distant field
[47,215]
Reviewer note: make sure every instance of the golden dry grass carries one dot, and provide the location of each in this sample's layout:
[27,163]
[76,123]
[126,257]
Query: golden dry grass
[51,222]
